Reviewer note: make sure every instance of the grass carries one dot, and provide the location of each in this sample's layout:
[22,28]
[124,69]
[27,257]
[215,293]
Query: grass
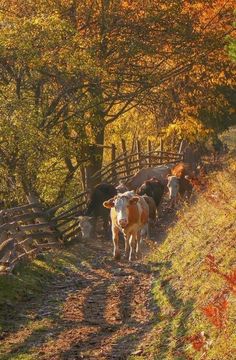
[29,281]
[183,284]
[27,287]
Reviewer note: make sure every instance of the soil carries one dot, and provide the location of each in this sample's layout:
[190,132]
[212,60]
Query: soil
[101,309]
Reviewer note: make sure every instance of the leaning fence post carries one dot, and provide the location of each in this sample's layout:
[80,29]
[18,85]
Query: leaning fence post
[161,151]
[149,149]
[126,163]
[113,157]
[139,157]
[181,147]
[83,176]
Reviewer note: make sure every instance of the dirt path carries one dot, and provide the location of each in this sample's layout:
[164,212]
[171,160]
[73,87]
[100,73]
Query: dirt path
[98,309]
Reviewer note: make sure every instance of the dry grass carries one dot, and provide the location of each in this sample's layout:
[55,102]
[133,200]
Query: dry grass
[183,284]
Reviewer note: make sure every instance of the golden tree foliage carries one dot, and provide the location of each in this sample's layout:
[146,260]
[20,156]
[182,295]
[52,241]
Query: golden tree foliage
[72,72]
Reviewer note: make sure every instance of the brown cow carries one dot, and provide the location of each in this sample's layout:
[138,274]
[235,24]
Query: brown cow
[129,214]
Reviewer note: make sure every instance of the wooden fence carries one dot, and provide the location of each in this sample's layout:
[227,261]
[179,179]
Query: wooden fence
[124,166]
[24,232]
[30,229]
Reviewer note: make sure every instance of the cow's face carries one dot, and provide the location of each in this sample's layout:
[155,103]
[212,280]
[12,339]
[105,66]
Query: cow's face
[121,204]
[121,188]
[142,190]
[86,226]
[173,186]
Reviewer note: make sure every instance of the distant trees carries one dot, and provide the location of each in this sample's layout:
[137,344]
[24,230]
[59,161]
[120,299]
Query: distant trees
[69,69]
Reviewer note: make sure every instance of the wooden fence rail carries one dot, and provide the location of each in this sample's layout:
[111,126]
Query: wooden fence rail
[29,229]
[23,234]
[122,168]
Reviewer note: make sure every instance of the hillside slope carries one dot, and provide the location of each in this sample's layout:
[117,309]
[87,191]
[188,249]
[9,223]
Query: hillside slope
[194,276]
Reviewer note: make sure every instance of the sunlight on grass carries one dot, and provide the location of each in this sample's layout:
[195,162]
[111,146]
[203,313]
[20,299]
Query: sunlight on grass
[183,284]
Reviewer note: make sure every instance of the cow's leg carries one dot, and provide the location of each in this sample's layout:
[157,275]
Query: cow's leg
[127,247]
[144,232]
[138,243]
[172,202]
[132,245]
[106,227]
[147,230]
[115,238]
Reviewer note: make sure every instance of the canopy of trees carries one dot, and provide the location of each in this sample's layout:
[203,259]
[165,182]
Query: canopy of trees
[73,71]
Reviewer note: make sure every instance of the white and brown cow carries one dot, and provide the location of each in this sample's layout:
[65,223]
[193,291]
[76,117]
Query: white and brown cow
[179,183]
[129,214]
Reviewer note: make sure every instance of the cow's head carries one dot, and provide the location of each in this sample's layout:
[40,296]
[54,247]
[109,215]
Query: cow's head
[121,204]
[173,186]
[86,224]
[142,189]
[121,188]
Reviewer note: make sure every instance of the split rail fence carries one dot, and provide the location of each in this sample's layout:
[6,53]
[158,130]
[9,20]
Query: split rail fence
[28,230]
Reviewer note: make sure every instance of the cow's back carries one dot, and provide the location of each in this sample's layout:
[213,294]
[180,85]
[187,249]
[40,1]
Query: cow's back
[101,193]
[182,169]
[159,172]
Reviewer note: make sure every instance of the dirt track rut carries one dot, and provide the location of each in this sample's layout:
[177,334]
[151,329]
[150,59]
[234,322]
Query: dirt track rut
[101,309]
[97,309]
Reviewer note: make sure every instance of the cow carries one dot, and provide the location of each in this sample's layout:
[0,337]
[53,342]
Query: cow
[158,172]
[95,209]
[86,224]
[129,214]
[153,188]
[179,186]
[179,182]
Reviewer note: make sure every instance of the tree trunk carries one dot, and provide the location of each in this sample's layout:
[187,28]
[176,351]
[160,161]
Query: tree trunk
[96,158]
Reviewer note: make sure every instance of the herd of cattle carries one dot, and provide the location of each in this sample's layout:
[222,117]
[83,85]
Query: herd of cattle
[131,208]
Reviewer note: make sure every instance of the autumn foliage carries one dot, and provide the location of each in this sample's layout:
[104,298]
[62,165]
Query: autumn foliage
[73,73]
[216,310]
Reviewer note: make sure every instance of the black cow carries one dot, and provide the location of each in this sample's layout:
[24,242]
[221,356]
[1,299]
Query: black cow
[95,209]
[153,188]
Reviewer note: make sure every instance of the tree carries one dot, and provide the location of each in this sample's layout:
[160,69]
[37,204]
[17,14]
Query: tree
[80,65]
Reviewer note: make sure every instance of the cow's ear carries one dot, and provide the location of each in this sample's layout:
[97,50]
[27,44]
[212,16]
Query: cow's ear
[134,200]
[109,203]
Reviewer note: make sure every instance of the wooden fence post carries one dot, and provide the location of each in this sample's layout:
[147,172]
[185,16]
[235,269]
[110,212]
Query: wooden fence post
[113,157]
[181,147]
[149,149]
[83,176]
[161,150]
[126,163]
[139,157]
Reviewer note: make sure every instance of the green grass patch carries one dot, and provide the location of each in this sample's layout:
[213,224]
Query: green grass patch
[29,280]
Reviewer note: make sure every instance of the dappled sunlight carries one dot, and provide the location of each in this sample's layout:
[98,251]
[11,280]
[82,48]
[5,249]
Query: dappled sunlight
[26,335]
